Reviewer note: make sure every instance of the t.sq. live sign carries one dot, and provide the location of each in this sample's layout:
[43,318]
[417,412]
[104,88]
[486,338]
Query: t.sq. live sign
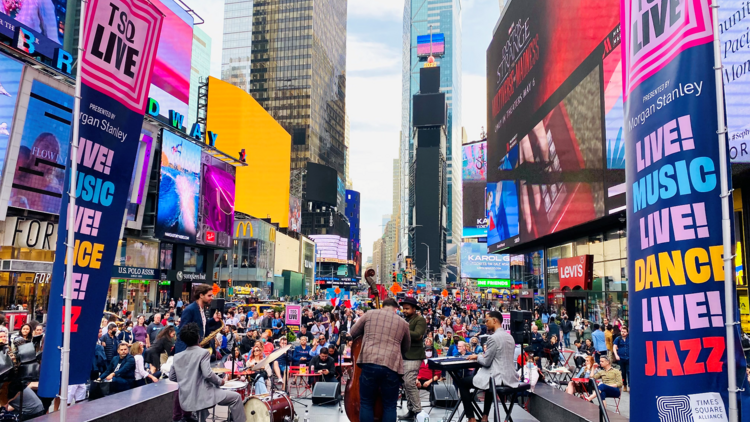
[120,41]
[677,346]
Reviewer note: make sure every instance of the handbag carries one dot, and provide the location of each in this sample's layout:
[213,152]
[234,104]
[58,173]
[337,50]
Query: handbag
[99,389]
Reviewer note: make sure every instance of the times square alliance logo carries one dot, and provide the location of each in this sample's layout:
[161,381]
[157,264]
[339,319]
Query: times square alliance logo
[691,408]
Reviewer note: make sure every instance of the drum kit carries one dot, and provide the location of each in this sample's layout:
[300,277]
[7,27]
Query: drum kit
[275,406]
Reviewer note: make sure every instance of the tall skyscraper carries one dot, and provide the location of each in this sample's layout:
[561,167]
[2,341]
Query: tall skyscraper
[422,18]
[296,52]
[200,69]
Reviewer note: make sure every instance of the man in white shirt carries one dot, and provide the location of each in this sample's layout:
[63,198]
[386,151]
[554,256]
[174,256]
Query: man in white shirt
[318,329]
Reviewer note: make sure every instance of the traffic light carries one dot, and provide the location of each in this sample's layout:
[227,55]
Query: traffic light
[394,277]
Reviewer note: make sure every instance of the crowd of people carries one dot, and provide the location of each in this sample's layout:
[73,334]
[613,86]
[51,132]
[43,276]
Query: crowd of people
[135,350]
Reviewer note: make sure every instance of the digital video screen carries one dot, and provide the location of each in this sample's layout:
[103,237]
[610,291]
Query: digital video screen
[474,187]
[554,148]
[179,189]
[39,178]
[10,82]
[170,81]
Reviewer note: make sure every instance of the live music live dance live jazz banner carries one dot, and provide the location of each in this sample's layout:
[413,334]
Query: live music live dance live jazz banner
[678,357]
[120,39]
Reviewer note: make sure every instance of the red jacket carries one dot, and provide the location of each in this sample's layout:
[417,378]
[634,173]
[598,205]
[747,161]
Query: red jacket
[426,373]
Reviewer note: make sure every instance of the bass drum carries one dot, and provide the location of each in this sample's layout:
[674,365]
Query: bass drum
[264,408]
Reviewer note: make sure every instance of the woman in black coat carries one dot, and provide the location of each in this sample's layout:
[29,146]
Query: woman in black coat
[164,343]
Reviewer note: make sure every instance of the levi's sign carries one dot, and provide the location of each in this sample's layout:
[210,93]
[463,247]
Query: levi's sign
[576,273]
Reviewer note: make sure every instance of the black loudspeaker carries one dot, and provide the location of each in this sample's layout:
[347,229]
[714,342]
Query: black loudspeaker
[216,304]
[326,392]
[443,395]
[520,326]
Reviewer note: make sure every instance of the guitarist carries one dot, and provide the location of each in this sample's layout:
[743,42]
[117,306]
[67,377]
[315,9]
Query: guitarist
[385,340]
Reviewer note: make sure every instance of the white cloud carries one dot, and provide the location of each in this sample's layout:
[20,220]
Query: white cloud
[474,105]
[374,108]
[377,9]
[370,55]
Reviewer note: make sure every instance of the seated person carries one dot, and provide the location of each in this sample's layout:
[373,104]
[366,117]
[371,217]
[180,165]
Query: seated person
[32,406]
[497,359]
[462,351]
[259,376]
[427,376]
[551,351]
[474,346]
[611,380]
[324,365]
[579,357]
[121,370]
[453,350]
[286,358]
[301,354]
[587,371]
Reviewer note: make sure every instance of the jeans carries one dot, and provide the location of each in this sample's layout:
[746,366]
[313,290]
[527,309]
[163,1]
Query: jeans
[625,370]
[374,381]
[608,391]
[260,386]
[566,340]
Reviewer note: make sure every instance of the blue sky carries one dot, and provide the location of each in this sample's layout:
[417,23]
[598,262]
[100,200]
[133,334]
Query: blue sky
[373,99]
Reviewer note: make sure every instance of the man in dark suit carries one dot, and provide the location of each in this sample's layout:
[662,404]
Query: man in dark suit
[385,340]
[196,312]
[121,370]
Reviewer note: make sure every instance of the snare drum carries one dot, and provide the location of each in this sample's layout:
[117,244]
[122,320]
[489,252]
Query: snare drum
[264,408]
[239,387]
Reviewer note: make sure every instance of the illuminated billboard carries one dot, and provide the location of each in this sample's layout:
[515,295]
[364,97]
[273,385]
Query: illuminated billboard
[475,184]
[735,56]
[46,17]
[10,82]
[243,124]
[140,177]
[295,214]
[217,208]
[424,49]
[330,248]
[555,157]
[179,189]
[477,263]
[40,170]
[170,83]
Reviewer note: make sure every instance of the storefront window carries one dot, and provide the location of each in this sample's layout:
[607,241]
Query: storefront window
[165,259]
[194,260]
[141,253]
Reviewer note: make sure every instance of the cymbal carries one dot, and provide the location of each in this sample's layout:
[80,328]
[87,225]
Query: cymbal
[272,357]
[220,370]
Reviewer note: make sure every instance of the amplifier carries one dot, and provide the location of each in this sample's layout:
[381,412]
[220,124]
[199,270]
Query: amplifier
[326,392]
[443,395]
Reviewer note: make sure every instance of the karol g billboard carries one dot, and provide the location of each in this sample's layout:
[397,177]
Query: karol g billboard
[113,100]
[678,359]
[477,263]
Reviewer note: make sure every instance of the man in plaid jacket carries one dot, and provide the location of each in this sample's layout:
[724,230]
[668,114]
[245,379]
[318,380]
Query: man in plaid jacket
[385,340]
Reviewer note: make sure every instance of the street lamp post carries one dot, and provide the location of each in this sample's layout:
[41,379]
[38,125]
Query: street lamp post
[428,260]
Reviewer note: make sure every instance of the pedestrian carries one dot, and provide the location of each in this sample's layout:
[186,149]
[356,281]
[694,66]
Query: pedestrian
[621,349]
[600,344]
[566,327]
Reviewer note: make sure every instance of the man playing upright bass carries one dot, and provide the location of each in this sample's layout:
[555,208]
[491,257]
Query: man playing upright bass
[385,339]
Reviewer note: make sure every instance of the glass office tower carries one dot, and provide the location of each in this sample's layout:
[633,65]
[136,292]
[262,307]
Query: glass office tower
[291,56]
[444,16]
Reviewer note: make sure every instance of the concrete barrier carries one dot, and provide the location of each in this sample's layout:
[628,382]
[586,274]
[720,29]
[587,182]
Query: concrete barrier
[150,403]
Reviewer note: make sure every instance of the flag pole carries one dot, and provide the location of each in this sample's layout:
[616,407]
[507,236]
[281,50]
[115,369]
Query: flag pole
[726,224]
[70,250]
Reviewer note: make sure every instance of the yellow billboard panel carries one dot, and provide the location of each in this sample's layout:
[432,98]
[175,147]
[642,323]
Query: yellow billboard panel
[241,123]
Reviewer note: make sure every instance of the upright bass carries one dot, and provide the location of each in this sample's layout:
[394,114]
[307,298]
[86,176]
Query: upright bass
[352,399]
